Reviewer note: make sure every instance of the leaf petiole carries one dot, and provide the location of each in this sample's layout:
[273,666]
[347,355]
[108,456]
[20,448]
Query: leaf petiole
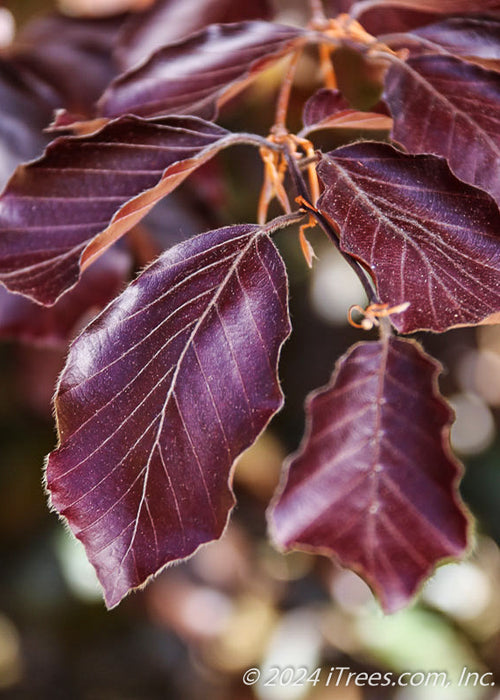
[333,234]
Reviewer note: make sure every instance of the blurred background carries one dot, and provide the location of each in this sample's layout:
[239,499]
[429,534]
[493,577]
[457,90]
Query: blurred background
[237,603]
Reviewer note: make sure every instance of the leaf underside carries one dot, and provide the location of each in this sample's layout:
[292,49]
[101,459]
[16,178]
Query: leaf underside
[372,484]
[62,211]
[159,396]
[428,238]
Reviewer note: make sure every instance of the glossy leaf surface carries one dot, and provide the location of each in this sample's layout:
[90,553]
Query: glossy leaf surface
[473,38]
[159,396]
[169,20]
[384,16]
[61,212]
[200,73]
[439,7]
[428,238]
[373,484]
[449,107]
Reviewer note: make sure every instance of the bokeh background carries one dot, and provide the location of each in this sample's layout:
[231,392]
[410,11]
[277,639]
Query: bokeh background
[238,603]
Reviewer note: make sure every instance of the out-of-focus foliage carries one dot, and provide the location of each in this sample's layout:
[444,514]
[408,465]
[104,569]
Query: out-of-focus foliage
[237,603]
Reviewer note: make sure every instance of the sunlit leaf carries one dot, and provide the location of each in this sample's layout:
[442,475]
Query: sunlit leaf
[159,396]
[443,105]
[375,484]
[61,212]
[381,17]
[428,238]
[475,38]
[200,73]
[436,7]
[169,20]
[441,7]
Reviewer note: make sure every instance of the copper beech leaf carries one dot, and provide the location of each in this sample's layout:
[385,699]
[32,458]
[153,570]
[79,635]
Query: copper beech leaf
[476,39]
[26,105]
[169,20]
[55,47]
[23,320]
[159,396]
[335,7]
[471,38]
[428,238]
[383,16]
[200,73]
[323,104]
[59,213]
[328,109]
[438,7]
[373,483]
[449,107]
[381,21]
[37,76]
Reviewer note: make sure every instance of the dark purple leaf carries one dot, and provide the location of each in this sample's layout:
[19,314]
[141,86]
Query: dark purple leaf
[25,109]
[473,38]
[380,22]
[427,238]
[61,212]
[443,105]
[200,73]
[336,7]
[37,76]
[57,49]
[159,396]
[374,482]
[169,20]
[328,109]
[22,319]
[438,7]
[384,16]
[322,105]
